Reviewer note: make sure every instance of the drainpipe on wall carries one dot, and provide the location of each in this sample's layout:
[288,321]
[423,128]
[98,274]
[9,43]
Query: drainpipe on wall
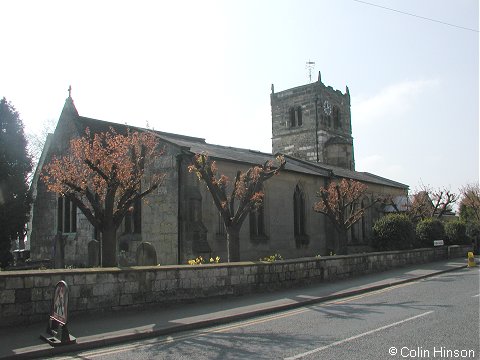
[181,182]
[179,201]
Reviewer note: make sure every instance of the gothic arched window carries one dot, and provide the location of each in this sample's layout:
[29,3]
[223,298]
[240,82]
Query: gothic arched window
[299,116]
[299,221]
[354,229]
[366,220]
[257,223]
[66,215]
[221,232]
[364,229]
[132,223]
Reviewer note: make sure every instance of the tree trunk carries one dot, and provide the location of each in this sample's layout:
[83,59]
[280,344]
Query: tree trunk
[109,247]
[233,245]
[342,248]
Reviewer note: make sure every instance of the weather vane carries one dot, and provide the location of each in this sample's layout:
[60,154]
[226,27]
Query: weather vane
[310,65]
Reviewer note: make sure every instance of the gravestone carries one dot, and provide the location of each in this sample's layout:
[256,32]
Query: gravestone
[146,255]
[93,253]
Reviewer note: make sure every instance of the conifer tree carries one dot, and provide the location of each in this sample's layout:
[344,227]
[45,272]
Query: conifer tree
[15,164]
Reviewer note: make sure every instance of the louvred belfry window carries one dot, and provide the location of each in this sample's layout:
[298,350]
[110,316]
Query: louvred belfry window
[299,116]
[291,115]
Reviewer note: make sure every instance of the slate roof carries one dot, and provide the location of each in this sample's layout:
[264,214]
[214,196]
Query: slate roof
[240,155]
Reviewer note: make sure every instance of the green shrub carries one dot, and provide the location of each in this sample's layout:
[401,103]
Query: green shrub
[428,230]
[473,230]
[393,232]
[6,257]
[456,232]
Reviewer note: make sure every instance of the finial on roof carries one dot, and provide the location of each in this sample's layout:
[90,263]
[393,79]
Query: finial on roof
[273,89]
[319,76]
[69,107]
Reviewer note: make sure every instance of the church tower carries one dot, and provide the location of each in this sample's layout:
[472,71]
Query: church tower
[313,122]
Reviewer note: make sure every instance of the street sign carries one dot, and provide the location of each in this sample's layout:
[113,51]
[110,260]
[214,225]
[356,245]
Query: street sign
[60,303]
[438,243]
[57,331]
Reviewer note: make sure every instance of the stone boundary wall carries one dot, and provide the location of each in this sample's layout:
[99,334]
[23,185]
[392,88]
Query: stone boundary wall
[26,296]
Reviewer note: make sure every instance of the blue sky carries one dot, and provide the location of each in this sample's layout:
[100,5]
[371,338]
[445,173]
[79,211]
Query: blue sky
[204,68]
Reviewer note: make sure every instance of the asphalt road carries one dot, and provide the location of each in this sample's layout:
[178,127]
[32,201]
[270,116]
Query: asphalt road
[436,318]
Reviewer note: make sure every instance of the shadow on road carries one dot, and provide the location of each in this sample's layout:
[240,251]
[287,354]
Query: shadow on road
[360,311]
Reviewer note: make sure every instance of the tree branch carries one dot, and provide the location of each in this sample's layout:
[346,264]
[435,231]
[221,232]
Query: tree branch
[96,169]
[85,210]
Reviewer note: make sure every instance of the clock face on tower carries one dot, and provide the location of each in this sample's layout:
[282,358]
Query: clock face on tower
[327,107]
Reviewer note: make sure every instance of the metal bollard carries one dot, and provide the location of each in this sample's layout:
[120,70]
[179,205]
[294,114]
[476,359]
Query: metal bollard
[471,259]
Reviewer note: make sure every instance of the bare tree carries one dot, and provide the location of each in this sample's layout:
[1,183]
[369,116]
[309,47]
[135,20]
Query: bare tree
[247,189]
[430,203]
[102,175]
[340,202]
[443,200]
[470,203]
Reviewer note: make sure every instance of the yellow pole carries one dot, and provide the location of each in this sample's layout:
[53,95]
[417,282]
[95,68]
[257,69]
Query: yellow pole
[471,259]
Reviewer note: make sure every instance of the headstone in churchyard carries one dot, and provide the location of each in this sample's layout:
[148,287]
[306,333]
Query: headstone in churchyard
[146,255]
[93,253]
[57,330]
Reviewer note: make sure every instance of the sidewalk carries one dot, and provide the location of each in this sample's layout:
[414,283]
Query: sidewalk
[103,329]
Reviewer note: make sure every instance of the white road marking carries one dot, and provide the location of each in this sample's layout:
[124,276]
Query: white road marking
[476,295]
[299,356]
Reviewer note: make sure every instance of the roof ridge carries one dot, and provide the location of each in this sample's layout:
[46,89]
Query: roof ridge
[190,142]
[384,178]
[160,133]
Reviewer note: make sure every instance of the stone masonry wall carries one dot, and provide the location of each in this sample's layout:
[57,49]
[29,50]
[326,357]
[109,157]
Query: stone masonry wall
[26,296]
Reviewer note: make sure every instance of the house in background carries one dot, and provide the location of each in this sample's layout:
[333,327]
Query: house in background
[311,126]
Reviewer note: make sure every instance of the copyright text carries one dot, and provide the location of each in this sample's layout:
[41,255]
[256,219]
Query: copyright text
[439,352]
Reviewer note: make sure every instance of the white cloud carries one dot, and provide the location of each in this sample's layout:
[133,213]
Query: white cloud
[394,100]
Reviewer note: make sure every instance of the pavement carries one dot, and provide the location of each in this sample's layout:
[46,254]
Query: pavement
[105,329]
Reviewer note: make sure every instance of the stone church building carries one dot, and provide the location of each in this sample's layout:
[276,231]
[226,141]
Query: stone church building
[311,126]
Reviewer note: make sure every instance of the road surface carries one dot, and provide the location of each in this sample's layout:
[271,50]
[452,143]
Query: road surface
[435,318]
